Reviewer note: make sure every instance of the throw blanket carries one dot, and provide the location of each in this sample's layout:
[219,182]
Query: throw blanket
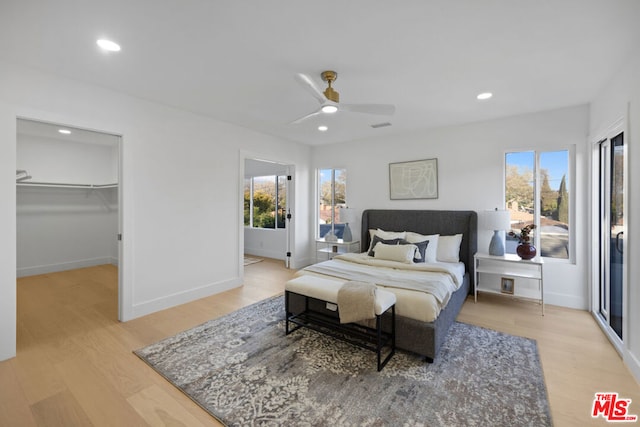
[356,301]
[438,282]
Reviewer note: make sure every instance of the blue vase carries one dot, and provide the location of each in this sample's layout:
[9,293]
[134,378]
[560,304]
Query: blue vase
[346,234]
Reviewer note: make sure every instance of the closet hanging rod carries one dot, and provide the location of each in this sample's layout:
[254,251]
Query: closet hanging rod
[63,185]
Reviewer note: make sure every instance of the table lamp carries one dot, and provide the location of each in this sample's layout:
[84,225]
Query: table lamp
[497,221]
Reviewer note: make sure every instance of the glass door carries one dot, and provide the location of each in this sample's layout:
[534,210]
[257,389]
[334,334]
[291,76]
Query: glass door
[611,209]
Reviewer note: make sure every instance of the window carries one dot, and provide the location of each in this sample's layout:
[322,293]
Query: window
[265,199]
[537,192]
[332,190]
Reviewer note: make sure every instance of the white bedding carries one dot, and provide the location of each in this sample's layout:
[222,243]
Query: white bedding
[421,289]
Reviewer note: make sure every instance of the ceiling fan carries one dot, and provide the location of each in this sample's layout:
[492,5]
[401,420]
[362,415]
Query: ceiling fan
[330,99]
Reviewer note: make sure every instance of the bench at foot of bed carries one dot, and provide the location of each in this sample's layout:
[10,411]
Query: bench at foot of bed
[326,291]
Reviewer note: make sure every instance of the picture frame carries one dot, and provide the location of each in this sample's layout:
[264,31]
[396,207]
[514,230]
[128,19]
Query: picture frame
[416,179]
[507,285]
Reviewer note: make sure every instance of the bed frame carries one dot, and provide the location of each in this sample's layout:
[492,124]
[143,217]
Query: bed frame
[423,338]
[426,338]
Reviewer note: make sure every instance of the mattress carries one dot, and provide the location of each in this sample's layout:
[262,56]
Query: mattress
[422,290]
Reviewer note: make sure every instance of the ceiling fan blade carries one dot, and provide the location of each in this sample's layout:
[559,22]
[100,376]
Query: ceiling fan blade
[379,109]
[311,87]
[296,121]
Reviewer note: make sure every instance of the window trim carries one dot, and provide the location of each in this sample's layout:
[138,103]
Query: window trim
[571,171]
[251,190]
[333,195]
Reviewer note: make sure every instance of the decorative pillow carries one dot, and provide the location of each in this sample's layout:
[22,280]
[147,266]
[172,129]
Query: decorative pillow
[386,235]
[449,248]
[378,239]
[400,253]
[421,248]
[430,254]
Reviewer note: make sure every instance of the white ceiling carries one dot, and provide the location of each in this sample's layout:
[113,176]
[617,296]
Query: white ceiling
[235,60]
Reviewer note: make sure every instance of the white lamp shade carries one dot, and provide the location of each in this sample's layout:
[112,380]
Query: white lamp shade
[495,220]
[348,215]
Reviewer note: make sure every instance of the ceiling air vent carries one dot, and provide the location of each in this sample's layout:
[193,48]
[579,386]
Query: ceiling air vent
[381,125]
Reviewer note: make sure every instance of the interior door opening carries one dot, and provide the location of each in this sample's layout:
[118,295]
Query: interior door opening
[68,214]
[268,209]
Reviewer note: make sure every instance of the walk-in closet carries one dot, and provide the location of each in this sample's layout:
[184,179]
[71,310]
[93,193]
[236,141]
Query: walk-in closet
[66,199]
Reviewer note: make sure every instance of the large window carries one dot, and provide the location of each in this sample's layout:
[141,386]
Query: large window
[265,199]
[332,191]
[537,192]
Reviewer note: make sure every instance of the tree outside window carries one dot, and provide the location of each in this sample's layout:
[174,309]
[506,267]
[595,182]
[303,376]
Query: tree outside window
[332,191]
[550,213]
[265,202]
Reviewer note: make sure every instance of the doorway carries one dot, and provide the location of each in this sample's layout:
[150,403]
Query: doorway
[68,199]
[267,209]
[611,233]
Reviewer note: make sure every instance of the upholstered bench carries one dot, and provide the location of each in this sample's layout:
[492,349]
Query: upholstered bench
[326,291]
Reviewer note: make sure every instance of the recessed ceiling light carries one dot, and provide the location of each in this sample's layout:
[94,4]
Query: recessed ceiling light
[64,131]
[323,128]
[329,109]
[108,45]
[484,95]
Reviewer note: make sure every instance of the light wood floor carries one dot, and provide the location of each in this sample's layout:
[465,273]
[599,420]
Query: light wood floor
[75,365]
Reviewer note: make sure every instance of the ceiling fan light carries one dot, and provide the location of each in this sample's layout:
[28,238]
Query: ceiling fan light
[329,109]
[108,45]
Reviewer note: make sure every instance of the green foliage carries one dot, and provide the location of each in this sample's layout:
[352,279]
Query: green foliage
[563,202]
[548,197]
[519,186]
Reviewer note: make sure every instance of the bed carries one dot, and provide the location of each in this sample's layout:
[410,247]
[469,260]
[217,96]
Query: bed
[421,325]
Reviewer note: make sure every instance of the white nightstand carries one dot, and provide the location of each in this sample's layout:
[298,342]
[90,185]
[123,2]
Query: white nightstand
[327,250]
[510,267]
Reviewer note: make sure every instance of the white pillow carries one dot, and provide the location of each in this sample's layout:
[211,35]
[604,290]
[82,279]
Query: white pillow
[449,248]
[400,253]
[431,253]
[385,235]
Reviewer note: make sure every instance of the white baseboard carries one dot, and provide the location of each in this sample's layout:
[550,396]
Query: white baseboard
[569,301]
[264,253]
[63,266]
[633,363]
[148,307]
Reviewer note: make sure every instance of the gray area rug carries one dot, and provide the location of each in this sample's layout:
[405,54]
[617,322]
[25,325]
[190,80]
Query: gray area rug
[244,371]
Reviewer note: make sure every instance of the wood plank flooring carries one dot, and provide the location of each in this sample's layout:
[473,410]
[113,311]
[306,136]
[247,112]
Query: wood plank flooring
[75,365]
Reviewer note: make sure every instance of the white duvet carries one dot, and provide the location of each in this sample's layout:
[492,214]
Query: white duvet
[422,290]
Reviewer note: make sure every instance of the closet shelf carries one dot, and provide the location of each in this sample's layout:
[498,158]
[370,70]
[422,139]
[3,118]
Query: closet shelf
[62,185]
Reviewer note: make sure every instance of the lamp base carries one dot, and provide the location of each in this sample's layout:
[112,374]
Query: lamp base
[496,247]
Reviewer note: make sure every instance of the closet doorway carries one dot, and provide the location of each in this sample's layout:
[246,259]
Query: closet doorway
[68,218]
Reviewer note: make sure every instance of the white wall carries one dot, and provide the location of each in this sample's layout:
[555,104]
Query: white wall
[180,190]
[55,160]
[61,229]
[621,99]
[64,228]
[470,176]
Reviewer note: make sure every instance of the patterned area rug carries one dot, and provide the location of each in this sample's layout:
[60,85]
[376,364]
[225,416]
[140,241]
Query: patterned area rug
[244,371]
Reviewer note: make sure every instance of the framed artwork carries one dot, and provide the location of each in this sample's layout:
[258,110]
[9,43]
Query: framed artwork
[413,180]
[506,285]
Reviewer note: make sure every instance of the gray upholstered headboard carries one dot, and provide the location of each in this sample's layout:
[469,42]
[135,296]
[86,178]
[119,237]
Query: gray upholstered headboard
[428,222]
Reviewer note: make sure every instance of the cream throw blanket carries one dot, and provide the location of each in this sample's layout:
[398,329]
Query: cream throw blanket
[356,301]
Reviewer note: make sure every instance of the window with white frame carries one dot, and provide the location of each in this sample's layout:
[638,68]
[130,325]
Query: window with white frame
[537,191]
[265,199]
[332,191]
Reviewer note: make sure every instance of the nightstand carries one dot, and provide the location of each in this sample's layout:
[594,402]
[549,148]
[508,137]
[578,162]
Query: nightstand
[327,250]
[507,268]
